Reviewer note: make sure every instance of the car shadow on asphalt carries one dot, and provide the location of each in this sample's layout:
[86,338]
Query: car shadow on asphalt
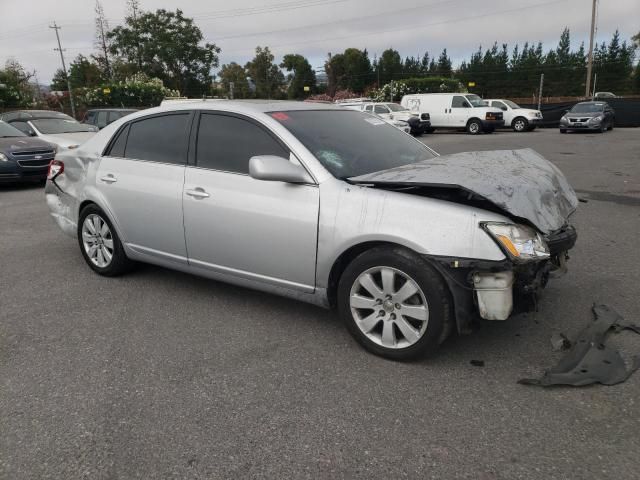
[490,341]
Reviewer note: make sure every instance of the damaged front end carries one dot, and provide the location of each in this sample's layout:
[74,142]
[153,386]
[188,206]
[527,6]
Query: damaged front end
[520,185]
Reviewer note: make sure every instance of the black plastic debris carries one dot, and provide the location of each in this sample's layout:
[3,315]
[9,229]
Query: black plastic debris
[477,363]
[590,360]
[560,342]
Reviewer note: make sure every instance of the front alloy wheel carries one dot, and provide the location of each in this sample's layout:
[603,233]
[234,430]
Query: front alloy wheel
[474,127]
[394,303]
[520,124]
[389,307]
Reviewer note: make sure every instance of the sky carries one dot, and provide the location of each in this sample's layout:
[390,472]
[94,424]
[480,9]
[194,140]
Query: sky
[315,27]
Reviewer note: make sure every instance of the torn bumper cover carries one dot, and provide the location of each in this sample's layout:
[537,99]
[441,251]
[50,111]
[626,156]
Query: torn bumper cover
[590,359]
[494,290]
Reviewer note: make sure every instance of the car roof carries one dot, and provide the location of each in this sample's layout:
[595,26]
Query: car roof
[252,106]
[597,102]
[32,114]
[112,110]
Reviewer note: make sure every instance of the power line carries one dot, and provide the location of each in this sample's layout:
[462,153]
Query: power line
[408,26]
[214,15]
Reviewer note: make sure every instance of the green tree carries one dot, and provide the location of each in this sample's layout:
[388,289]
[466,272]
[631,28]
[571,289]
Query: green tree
[390,66]
[444,64]
[167,45]
[357,72]
[82,73]
[15,87]
[232,72]
[335,70]
[300,75]
[265,74]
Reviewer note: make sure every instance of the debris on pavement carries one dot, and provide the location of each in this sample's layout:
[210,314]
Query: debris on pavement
[590,360]
[477,363]
[560,342]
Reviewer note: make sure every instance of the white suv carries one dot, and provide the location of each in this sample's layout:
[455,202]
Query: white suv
[518,118]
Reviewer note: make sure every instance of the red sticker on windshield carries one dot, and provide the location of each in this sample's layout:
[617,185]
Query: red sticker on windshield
[281,116]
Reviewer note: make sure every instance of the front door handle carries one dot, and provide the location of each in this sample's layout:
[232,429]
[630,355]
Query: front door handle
[109,178]
[197,193]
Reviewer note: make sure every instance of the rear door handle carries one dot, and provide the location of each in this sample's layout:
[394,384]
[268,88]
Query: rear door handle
[197,193]
[109,178]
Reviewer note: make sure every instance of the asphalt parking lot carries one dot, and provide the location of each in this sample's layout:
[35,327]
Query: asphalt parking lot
[160,374]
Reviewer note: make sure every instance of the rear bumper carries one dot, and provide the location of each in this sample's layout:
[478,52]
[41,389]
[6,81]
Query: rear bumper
[419,126]
[494,290]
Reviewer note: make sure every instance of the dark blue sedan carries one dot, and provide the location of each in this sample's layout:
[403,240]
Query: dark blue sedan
[23,158]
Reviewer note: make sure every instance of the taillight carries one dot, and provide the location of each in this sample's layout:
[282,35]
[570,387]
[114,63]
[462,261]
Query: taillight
[56,167]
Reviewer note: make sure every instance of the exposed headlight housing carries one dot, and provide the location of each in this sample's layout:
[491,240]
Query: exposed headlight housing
[519,242]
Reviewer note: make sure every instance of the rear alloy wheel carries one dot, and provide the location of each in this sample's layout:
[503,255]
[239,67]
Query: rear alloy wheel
[394,303]
[99,243]
[474,127]
[520,124]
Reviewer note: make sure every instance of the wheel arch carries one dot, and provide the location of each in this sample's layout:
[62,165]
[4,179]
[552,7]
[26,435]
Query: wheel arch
[347,256]
[91,200]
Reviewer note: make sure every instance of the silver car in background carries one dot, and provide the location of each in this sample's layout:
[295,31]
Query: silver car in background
[321,204]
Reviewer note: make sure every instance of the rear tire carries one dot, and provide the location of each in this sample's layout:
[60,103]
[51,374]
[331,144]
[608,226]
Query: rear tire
[474,126]
[100,244]
[394,303]
[563,130]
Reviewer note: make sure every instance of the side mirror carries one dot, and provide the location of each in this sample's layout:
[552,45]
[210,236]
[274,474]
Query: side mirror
[277,169]
[504,108]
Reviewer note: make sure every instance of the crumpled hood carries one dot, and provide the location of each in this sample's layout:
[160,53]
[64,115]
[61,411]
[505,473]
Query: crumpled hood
[520,182]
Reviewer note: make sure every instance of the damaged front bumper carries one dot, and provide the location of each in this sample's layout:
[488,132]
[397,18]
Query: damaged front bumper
[494,290]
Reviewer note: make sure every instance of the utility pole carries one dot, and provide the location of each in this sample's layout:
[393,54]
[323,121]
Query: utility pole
[540,90]
[590,58]
[231,85]
[64,69]
[595,79]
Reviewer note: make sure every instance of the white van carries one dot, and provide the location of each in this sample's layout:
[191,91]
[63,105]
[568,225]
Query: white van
[455,110]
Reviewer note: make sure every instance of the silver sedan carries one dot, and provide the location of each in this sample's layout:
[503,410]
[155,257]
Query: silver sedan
[324,205]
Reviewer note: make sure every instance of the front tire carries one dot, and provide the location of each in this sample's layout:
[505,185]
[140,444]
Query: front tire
[394,303]
[474,127]
[563,130]
[100,244]
[520,124]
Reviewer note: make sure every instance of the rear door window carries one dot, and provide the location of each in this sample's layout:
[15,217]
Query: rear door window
[118,145]
[227,143]
[162,138]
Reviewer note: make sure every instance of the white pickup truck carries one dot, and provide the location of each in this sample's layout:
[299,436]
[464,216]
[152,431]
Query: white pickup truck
[516,117]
